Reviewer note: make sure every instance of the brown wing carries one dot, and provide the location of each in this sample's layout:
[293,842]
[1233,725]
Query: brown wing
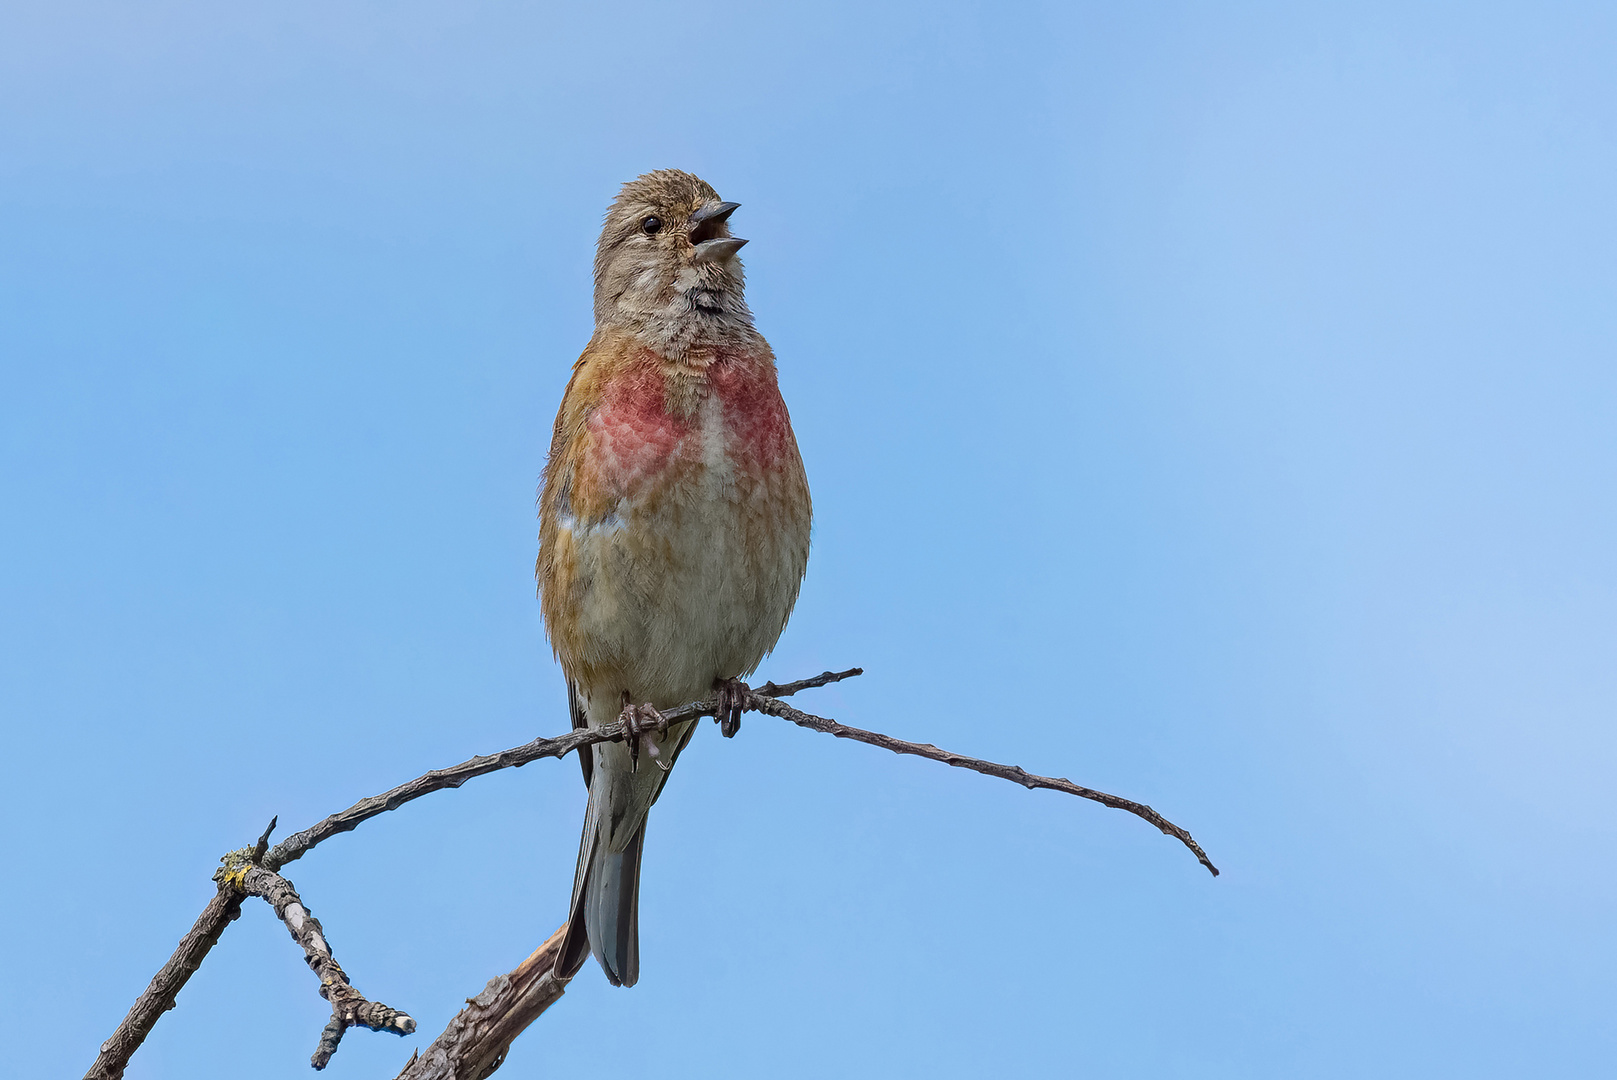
[569,489]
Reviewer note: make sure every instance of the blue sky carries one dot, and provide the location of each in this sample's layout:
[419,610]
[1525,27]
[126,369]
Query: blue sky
[1212,404]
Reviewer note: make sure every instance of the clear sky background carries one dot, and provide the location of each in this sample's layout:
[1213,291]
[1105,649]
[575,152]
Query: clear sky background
[1214,404]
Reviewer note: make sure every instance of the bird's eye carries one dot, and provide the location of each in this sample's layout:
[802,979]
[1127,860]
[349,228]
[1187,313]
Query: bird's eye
[651,225]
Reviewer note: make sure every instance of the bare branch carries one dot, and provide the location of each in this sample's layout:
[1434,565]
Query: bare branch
[476,1040]
[158,997]
[479,1036]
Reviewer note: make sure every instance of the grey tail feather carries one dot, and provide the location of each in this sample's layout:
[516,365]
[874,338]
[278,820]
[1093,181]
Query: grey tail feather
[605,919]
[612,911]
[575,946]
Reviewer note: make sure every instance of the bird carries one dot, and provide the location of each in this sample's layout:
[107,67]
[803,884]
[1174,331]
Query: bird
[674,521]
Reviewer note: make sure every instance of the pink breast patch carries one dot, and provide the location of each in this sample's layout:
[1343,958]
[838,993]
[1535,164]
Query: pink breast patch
[633,433]
[759,427]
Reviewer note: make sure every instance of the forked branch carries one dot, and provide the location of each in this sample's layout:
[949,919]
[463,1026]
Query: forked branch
[349,1008]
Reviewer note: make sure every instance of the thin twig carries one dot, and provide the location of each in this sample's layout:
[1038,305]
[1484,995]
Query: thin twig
[824,678]
[1013,773]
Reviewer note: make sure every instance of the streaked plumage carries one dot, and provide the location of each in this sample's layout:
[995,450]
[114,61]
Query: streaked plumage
[674,520]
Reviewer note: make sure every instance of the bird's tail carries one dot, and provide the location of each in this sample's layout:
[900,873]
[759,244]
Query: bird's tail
[605,915]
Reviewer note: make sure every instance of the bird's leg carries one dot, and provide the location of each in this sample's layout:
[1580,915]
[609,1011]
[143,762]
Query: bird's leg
[733,695]
[639,721]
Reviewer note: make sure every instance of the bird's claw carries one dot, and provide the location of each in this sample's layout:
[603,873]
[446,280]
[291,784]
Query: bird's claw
[639,723]
[733,697]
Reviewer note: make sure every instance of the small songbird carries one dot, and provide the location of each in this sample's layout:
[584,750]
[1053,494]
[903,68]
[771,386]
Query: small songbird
[674,526]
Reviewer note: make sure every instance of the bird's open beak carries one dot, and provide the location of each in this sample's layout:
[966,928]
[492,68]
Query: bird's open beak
[705,225]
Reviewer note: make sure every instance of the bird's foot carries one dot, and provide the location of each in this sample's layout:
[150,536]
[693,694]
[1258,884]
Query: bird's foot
[640,722]
[733,696]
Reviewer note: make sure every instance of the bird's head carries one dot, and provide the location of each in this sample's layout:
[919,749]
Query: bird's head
[666,266]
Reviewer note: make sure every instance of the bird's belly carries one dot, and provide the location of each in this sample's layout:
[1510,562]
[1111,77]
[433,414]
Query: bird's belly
[692,583]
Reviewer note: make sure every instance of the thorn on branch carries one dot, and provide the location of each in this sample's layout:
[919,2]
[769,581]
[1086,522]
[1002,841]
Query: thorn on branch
[263,841]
